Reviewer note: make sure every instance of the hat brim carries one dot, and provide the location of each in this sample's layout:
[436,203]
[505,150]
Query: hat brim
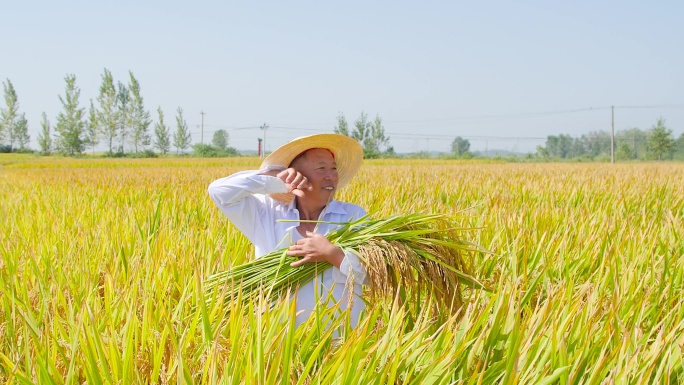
[347,151]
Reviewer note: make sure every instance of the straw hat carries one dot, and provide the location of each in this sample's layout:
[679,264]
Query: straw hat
[347,151]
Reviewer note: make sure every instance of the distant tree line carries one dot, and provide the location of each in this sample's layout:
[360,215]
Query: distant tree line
[117,118]
[656,143]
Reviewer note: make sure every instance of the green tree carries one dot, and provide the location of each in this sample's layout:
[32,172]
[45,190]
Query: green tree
[561,146]
[596,143]
[209,151]
[578,149]
[679,148]
[624,152]
[108,113]
[44,138]
[181,138]
[9,114]
[460,146]
[161,134]
[371,135]
[220,140]
[379,141]
[342,127]
[70,121]
[21,132]
[123,98]
[92,130]
[139,117]
[361,129]
[661,144]
[636,139]
[543,152]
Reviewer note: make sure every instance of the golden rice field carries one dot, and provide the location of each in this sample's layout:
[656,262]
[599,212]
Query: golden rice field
[102,263]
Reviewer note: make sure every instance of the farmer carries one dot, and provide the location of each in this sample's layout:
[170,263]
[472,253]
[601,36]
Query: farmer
[297,182]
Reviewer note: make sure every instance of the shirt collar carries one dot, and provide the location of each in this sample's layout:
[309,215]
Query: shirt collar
[334,207]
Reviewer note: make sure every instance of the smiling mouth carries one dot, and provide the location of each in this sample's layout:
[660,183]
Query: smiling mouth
[329,188]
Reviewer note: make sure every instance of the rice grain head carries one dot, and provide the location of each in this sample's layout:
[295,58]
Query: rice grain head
[394,267]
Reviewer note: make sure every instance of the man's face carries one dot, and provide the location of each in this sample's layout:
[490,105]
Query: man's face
[319,167]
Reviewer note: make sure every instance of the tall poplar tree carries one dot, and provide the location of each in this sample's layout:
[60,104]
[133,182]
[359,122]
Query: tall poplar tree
[377,132]
[9,114]
[108,113]
[139,118]
[371,135]
[181,138]
[342,127]
[70,121]
[161,133]
[124,98]
[92,132]
[44,138]
[21,132]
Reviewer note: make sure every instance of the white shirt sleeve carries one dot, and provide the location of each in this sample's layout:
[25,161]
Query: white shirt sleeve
[351,267]
[233,189]
[242,198]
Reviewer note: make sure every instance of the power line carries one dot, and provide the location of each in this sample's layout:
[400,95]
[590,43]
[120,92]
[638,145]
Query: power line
[461,118]
[229,128]
[457,118]
[472,118]
[653,106]
[519,115]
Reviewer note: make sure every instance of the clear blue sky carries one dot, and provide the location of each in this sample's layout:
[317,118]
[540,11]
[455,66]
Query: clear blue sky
[431,70]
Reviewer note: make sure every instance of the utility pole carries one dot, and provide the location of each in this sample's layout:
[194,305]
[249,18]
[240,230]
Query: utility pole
[264,127]
[612,134]
[202,137]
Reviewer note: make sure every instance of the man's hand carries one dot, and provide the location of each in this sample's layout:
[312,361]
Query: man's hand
[315,248]
[295,181]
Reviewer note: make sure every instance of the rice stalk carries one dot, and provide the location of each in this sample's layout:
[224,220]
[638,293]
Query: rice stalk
[420,255]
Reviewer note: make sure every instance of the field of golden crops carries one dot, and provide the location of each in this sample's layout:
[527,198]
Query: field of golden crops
[102,263]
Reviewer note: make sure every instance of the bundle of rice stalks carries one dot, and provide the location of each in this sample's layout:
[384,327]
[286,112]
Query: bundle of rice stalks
[418,257]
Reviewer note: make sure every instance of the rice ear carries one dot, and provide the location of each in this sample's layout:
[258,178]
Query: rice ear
[393,266]
[416,257]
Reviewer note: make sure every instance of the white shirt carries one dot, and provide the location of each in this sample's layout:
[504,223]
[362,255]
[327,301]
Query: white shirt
[242,198]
